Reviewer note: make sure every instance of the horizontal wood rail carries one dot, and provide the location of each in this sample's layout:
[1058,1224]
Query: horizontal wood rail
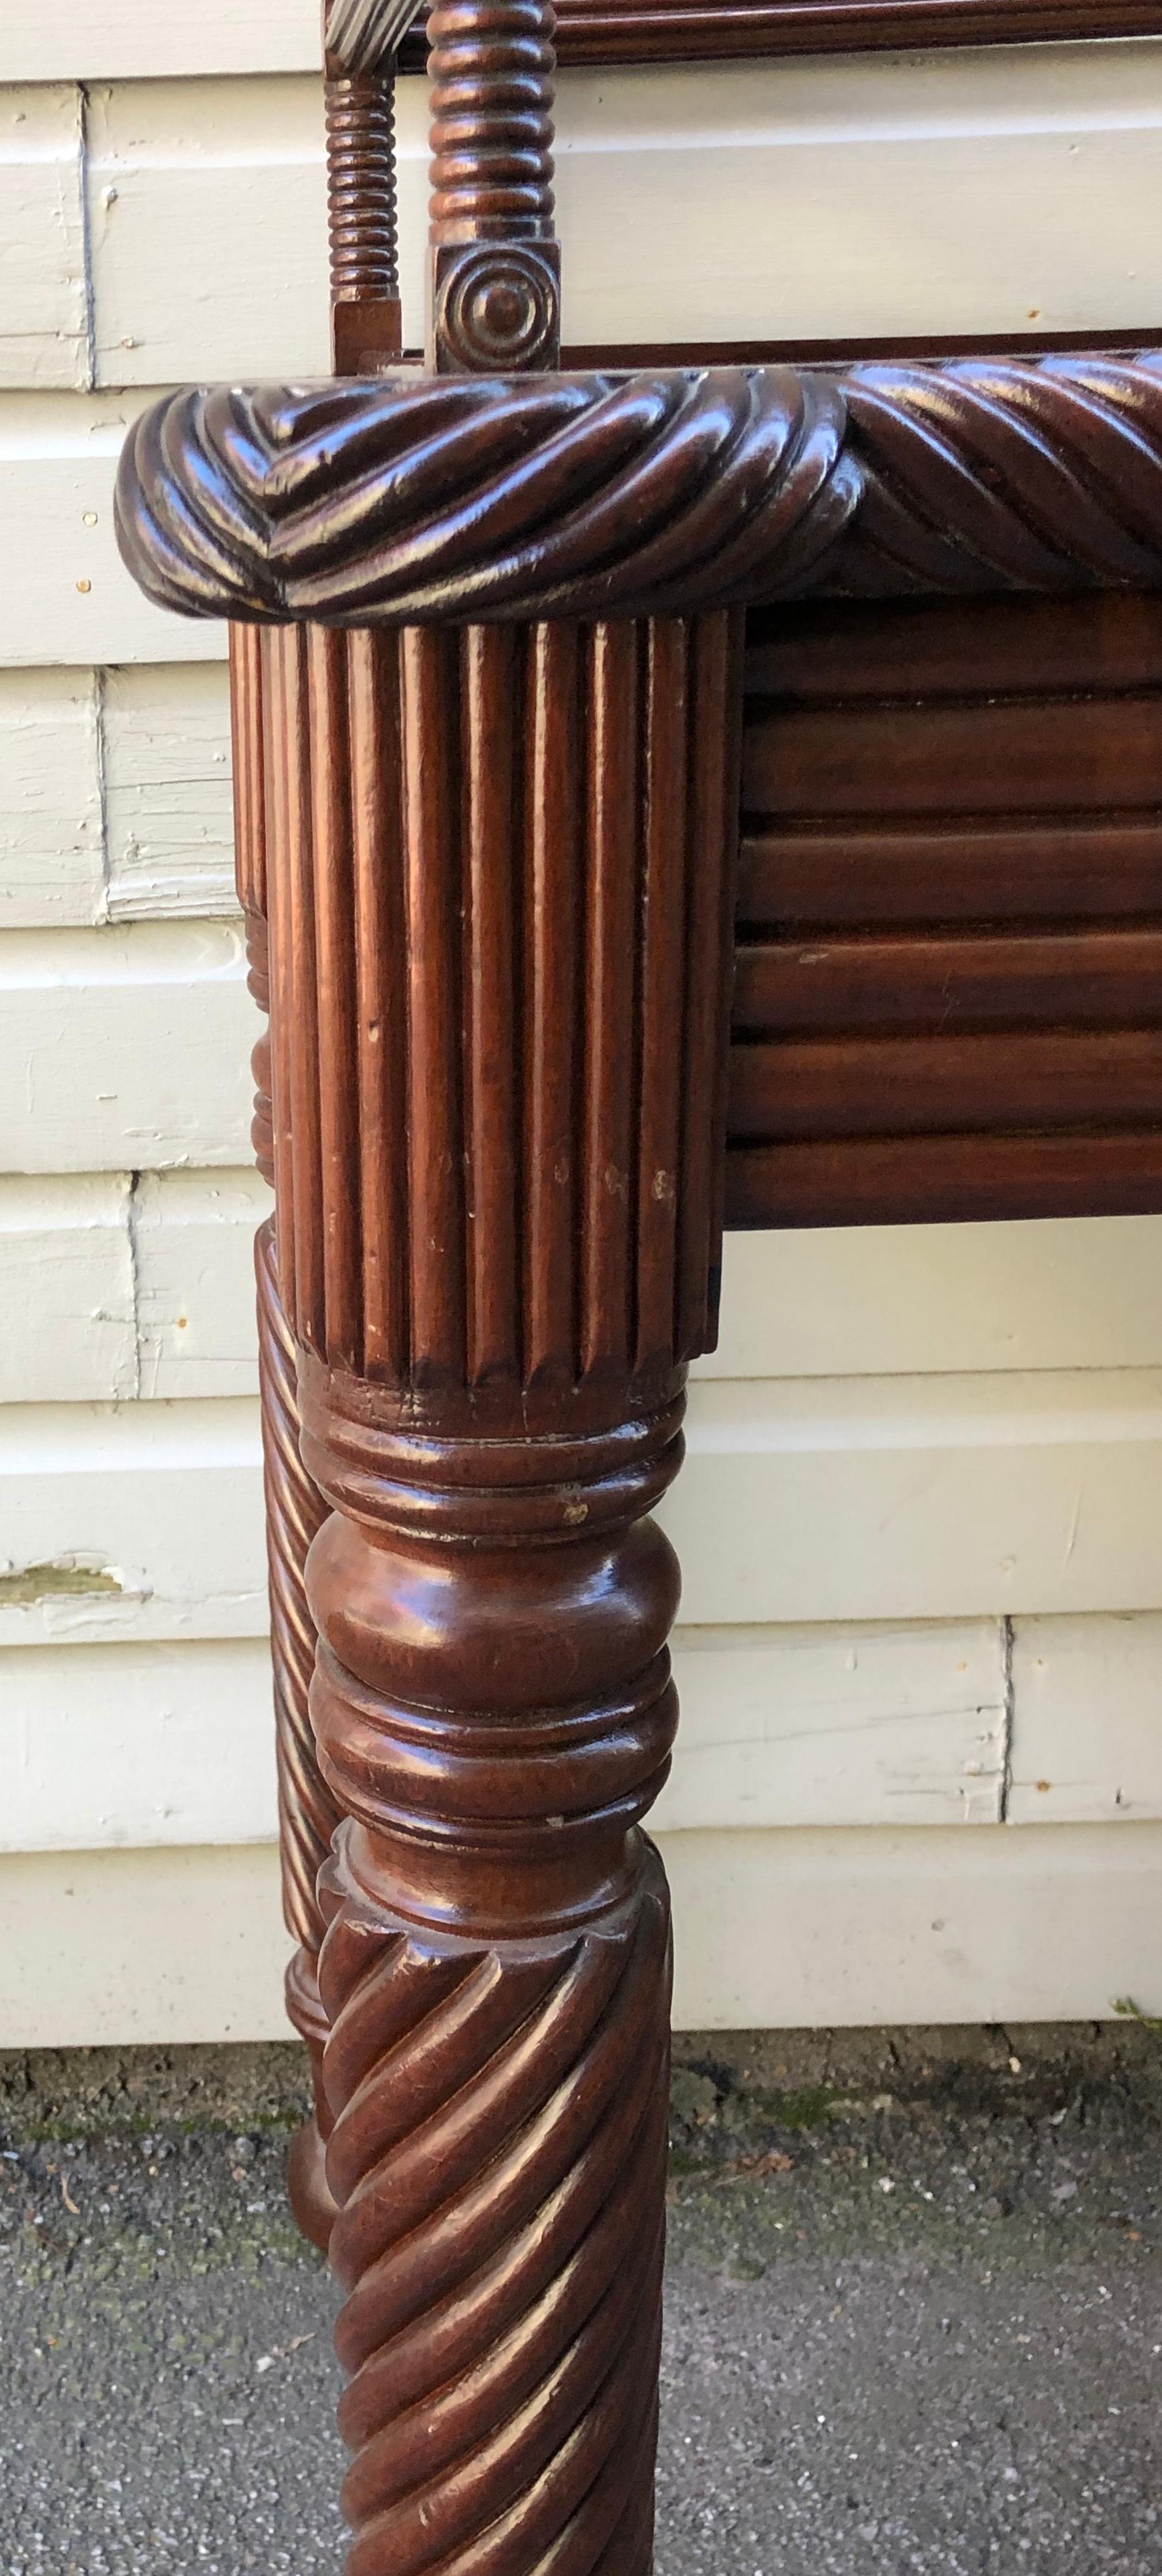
[672,31]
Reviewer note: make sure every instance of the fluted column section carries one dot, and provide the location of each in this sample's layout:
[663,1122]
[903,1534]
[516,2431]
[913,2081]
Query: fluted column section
[495,263]
[500,916]
[294,1507]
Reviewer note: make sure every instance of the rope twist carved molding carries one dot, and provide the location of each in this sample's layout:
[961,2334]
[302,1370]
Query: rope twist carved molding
[411,499]
[417,499]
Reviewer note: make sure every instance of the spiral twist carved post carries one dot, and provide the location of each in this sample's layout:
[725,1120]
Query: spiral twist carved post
[294,1508]
[495,263]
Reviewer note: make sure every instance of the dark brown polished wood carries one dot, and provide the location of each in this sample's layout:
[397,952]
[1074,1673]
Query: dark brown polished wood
[671,31]
[948,999]
[494,737]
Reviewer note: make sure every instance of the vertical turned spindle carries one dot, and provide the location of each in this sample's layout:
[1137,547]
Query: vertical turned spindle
[360,42]
[495,264]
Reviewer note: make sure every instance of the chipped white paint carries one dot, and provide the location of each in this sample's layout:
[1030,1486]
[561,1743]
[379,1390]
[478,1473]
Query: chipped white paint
[124,1048]
[161,1503]
[44,315]
[168,793]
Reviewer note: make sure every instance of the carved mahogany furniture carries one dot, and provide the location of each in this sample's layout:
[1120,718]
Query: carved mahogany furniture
[512,652]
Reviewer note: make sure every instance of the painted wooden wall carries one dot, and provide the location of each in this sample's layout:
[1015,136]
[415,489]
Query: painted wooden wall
[920,1774]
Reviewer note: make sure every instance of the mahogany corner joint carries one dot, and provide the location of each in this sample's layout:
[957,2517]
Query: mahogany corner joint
[495,731]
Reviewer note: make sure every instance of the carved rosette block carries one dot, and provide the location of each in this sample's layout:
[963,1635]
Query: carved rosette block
[294,1507]
[500,888]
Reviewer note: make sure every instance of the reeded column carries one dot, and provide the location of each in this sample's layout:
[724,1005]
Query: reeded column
[500,911]
[294,1508]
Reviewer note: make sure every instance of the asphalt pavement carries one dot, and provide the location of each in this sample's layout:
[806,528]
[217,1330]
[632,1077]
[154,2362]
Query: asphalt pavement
[914,2313]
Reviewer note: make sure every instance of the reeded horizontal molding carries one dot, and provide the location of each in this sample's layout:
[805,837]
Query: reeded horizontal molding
[409,499]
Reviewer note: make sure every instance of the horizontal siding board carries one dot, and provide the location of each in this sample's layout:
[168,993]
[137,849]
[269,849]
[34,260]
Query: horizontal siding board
[1074,978]
[876,1300]
[983,870]
[124,1048]
[66,596]
[126,40]
[168,792]
[803,1501]
[1087,1737]
[810,1930]
[773,1930]
[839,1726]
[193,1236]
[66,1281]
[1079,1293]
[162,1503]
[908,1086]
[920,1498]
[137,1745]
[44,312]
[130,1947]
[51,830]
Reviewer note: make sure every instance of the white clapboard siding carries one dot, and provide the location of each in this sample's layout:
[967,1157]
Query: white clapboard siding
[193,1235]
[777,1930]
[880,1725]
[872,1302]
[128,1285]
[949,192]
[138,1521]
[106,1745]
[92,40]
[44,305]
[920,1497]
[66,596]
[1087,1737]
[135,1745]
[817,1500]
[1057,1293]
[115,798]
[66,1289]
[141,1947]
[124,1048]
[51,831]
[168,792]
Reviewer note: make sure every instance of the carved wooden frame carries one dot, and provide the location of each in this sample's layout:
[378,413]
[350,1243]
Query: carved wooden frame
[487,698]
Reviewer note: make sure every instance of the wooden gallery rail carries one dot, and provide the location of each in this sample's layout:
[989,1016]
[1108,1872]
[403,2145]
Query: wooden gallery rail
[494,687]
